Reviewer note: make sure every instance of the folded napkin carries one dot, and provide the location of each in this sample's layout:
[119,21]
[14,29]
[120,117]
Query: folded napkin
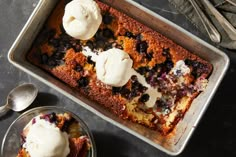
[225,8]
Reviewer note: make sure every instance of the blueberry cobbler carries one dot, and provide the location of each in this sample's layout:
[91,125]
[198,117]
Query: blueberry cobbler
[54,135]
[130,69]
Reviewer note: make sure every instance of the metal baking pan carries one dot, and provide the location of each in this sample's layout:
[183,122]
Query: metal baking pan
[172,144]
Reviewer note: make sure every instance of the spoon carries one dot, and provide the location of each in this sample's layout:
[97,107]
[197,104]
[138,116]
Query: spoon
[210,28]
[20,98]
[229,29]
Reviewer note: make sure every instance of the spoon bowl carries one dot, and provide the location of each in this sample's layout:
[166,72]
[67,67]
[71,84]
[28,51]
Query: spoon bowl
[20,98]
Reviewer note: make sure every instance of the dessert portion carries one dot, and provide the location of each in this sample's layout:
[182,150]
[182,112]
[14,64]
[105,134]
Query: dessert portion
[130,69]
[82,19]
[113,67]
[54,135]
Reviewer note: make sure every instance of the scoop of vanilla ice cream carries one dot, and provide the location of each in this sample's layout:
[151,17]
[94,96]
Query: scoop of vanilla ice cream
[82,19]
[114,67]
[44,139]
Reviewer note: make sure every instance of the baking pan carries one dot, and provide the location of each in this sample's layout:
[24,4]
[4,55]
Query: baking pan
[172,144]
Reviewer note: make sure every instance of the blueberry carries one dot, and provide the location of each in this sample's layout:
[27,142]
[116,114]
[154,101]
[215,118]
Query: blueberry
[99,35]
[139,38]
[60,62]
[144,98]
[188,62]
[163,70]
[195,73]
[125,92]
[169,64]
[181,93]
[134,78]
[52,117]
[107,18]
[52,62]
[83,82]
[137,87]
[149,56]
[165,51]
[198,68]
[142,47]
[129,34]
[90,44]
[133,94]
[89,60]
[66,125]
[108,33]
[77,48]
[44,58]
[152,80]
[54,42]
[160,103]
[58,55]
[64,39]
[196,64]
[115,90]
[156,67]
[78,68]
[178,72]
[107,47]
[143,70]
[193,63]
[68,46]
[51,33]
[100,44]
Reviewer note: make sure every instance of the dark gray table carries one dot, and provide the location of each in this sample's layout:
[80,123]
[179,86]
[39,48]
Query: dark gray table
[215,135]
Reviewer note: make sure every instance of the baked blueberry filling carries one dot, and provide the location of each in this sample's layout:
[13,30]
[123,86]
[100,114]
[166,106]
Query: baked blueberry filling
[83,82]
[107,18]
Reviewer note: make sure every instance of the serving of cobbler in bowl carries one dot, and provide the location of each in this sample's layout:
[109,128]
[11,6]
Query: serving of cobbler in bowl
[48,131]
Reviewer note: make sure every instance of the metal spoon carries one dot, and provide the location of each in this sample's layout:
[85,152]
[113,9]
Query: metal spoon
[233,2]
[20,98]
[229,29]
[210,28]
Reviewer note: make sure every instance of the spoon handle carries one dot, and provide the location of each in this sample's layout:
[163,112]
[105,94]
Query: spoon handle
[210,28]
[3,108]
[229,29]
[233,2]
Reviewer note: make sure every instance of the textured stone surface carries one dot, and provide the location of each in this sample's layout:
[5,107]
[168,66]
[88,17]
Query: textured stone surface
[215,135]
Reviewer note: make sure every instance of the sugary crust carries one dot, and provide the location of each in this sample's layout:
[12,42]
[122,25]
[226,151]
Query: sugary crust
[78,72]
